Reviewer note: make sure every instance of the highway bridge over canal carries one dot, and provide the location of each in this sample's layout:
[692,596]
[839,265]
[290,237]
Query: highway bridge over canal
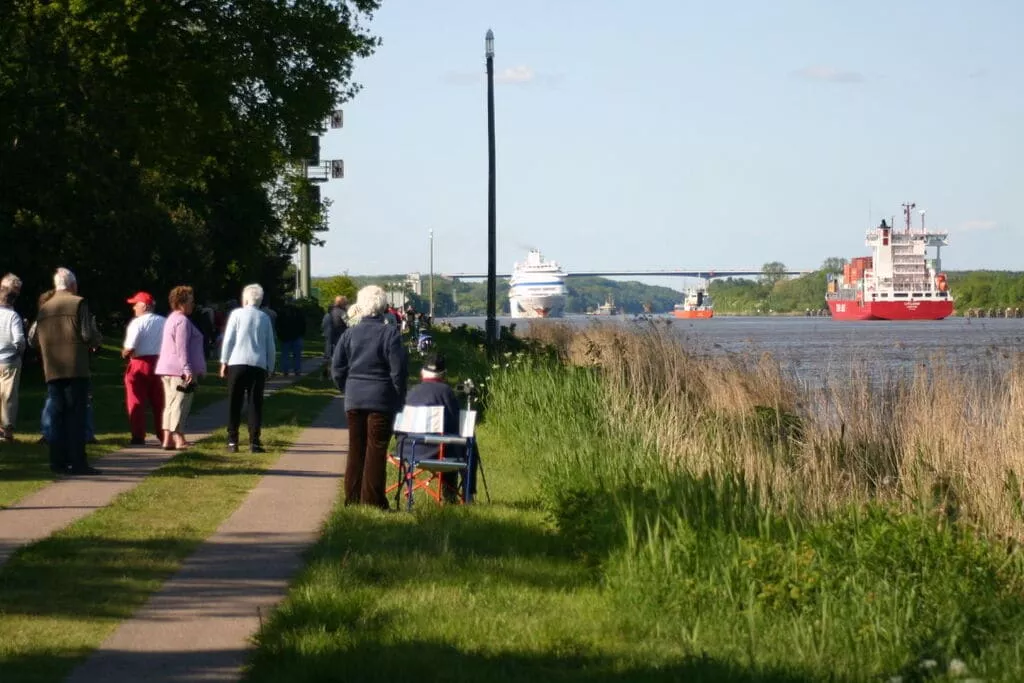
[706,273]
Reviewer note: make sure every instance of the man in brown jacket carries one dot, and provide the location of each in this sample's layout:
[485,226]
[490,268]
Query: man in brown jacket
[64,332]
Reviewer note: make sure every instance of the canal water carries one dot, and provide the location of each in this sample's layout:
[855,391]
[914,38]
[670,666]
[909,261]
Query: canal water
[814,349]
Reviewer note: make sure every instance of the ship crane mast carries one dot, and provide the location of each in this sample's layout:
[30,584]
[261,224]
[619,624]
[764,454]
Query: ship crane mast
[907,208]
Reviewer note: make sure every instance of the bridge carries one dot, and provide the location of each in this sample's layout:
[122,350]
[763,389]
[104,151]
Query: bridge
[707,273]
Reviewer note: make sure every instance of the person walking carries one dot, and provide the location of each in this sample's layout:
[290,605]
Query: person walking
[180,365]
[12,351]
[291,329]
[369,366]
[247,357]
[141,348]
[64,332]
[333,325]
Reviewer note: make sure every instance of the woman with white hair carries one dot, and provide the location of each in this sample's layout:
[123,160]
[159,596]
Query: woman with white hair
[247,357]
[369,366]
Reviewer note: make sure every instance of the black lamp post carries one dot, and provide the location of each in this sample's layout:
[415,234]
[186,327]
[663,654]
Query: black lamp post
[491,327]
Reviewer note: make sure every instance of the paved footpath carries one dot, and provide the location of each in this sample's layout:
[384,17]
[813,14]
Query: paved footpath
[199,626]
[54,507]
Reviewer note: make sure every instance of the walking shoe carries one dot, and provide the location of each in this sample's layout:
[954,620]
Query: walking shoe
[137,442]
[88,470]
[93,440]
[256,448]
[58,470]
[232,447]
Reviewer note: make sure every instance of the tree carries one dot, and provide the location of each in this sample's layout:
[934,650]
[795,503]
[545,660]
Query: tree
[833,264]
[773,272]
[339,285]
[148,144]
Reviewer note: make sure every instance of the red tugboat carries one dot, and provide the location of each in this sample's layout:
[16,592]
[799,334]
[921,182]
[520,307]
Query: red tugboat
[898,281]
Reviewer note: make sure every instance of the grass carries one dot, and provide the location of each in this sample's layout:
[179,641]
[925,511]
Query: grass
[24,465]
[61,597]
[711,547]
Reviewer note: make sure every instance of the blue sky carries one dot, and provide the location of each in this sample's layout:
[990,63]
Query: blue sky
[677,134]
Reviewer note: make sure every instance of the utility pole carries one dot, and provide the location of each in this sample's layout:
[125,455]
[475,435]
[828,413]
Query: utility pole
[317,172]
[491,327]
[431,274]
[305,279]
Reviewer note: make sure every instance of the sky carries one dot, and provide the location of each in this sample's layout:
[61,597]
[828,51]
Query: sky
[658,134]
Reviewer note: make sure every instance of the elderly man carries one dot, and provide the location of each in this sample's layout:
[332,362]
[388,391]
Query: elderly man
[141,383]
[12,348]
[435,391]
[64,332]
[247,357]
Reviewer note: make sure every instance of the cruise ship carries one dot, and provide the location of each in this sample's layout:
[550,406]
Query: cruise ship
[537,288]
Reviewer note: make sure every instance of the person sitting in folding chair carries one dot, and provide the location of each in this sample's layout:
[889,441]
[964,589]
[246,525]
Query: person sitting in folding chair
[434,391]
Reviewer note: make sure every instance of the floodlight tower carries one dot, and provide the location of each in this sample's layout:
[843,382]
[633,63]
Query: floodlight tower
[317,171]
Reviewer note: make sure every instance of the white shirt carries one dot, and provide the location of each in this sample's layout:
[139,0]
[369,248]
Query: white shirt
[144,334]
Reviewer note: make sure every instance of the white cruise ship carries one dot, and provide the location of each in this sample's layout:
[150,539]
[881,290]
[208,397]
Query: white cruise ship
[537,288]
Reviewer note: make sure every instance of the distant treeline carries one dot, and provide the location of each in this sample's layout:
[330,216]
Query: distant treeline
[767,294]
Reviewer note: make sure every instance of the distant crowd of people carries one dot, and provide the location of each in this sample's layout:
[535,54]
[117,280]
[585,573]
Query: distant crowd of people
[166,357]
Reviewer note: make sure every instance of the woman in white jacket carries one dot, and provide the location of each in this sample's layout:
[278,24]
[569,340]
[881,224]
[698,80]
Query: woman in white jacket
[247,357]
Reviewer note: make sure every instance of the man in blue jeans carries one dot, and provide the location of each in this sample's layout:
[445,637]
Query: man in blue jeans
[64,333]
[291,329]
[46,420]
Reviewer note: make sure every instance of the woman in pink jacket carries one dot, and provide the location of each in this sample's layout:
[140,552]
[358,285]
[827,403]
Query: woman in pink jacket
[181,363]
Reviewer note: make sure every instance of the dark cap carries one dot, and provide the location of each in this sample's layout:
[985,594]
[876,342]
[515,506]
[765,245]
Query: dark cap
[435,364]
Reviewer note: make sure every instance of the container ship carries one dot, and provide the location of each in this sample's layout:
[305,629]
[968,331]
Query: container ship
[696,305]
[898,281]
[537,288]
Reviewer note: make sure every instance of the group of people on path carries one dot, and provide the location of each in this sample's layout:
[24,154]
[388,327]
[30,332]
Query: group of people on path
[165,360]
[367,361]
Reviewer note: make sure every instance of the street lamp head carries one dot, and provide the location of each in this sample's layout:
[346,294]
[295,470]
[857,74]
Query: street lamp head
[489,41]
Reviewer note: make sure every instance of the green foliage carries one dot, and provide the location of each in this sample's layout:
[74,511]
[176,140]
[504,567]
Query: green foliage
[833,264]
[987,289]
[146,144]
[772,272]
[338,285]
[699,560]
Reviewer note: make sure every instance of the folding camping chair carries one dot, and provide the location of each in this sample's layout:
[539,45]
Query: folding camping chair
[423,426]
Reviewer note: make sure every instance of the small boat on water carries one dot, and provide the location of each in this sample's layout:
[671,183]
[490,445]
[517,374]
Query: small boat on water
[608,307]
[696,305]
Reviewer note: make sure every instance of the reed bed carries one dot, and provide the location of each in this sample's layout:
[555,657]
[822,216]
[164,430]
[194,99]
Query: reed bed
[935,439]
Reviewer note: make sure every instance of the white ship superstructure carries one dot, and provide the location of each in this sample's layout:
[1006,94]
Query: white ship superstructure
[537,288]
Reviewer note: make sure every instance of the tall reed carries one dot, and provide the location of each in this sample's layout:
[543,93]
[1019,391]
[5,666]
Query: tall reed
[937,439]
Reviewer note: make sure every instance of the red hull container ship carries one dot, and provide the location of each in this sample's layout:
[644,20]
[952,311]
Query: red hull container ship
[898,281]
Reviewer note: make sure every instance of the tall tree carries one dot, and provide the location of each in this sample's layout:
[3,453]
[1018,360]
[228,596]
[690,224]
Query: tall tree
[148,143]
[772,272]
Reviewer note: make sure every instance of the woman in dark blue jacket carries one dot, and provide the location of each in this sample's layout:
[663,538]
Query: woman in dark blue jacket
[370,367]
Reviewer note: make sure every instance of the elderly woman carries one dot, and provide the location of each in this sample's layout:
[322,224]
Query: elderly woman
[369,366]
[12,347]
[180,364]
[247,357]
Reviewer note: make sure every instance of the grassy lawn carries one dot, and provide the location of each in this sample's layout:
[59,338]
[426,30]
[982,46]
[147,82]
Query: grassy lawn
[599,560]
[61,597]
[24,465]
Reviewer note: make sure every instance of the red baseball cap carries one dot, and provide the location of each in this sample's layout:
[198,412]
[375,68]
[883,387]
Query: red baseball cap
[142,297]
